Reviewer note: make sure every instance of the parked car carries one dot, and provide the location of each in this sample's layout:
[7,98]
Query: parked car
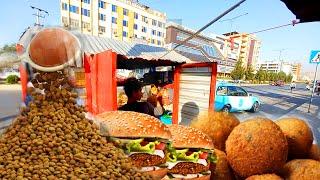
[232,98]
[279,83]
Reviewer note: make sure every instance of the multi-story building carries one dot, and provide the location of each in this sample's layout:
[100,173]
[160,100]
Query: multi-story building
[296,70]
[249,47]
[276,66]
[200,48]
[120,19]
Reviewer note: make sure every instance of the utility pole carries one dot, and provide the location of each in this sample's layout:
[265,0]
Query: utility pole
[39,15]
[279,58]
[232,20]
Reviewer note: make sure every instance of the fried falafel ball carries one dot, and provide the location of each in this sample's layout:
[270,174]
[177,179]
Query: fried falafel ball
[256,146]
[299,137]
[222,170]
[314,152]
[302,169]
[218,125]
[265,177]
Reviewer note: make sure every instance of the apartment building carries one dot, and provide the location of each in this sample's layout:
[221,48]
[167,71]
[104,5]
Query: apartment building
[249,47]
[120,19]
[296,70]
[278,66]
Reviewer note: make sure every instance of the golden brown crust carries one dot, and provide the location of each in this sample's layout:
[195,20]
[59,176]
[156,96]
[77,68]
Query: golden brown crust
[52,47]
[157,174]
[131,124]
[217,125]
[188,137]
[314,152]
[222,171]
[265,177]
[256,146]
[302,169]
[299,137]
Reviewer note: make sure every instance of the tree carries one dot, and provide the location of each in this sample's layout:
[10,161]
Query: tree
[249,73]
[8,48]
[282,76]
[238,72]
[260,75]
[289,78]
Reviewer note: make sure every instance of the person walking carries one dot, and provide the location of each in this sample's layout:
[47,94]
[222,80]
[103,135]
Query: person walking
[292,86]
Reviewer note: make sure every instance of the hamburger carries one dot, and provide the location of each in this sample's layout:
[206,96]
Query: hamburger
[143,138]
[190,154]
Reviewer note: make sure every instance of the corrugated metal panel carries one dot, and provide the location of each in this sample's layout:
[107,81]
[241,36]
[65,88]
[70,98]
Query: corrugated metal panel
[194,93]
[93,44]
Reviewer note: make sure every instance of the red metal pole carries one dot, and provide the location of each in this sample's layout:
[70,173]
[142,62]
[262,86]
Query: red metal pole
[213,86]
[176,94]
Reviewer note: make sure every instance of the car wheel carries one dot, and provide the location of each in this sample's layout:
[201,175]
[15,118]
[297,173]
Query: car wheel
[255,107]
[226,109]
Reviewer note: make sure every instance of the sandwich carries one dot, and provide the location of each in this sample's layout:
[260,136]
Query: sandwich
[190,155]
[142,137]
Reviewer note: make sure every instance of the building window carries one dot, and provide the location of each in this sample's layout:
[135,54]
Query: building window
[86,1]
[152,41]
[154,22]
[74,9]
[65,21]
[135,26]
[74,23]
[86,25]
[65,6]
[136,36]
[144,38]
[160,24]
[124,34]
[114,20]
[102,17]
[125,23]
[144,19]
[159,43]
[85,12]
[144,29]
[125,12]
[153,32]
[102,29]
[102,4]
[159,34]
[114,8]
[136,16]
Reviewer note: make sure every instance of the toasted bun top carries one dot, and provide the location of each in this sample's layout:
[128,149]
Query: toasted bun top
[132,124]
[53,47]
[188,137]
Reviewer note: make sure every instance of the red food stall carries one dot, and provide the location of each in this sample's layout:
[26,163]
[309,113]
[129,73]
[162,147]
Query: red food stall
[194,83]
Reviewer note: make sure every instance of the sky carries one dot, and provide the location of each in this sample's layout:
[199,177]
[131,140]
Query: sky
[296,41]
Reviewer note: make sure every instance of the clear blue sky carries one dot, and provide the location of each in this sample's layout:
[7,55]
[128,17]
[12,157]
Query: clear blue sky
[297,41]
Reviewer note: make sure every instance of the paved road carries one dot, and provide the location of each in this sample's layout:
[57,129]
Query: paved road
[278,102]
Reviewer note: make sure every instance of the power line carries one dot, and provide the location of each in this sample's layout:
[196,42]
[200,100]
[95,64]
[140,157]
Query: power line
[294,22]
[204,27]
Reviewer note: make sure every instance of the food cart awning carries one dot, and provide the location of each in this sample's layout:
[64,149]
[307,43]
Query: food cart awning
[305,10]
[130,55]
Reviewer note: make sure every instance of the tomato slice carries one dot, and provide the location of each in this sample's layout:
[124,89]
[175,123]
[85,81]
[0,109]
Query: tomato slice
[203,155]
[160,146]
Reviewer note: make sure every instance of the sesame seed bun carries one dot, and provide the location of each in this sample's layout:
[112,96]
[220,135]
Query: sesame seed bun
[188,137]
[127,124]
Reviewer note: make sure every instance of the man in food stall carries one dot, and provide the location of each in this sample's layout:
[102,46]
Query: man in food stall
[133,90]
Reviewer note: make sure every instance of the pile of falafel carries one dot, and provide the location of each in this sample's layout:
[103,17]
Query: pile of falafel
[259,148]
